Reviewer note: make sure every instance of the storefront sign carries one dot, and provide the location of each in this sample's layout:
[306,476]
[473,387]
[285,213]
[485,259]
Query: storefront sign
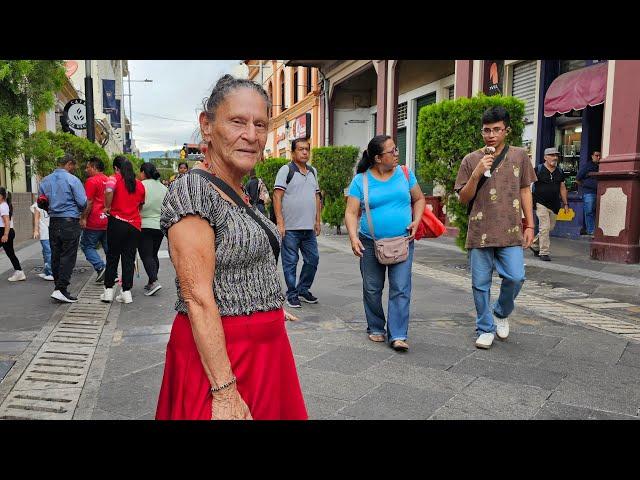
[493,77]
[300,127]
[75,112]
[281,137]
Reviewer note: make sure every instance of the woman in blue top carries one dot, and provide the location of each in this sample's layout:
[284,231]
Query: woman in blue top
[391,198]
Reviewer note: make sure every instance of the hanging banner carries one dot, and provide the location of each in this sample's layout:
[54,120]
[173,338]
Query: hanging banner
[108,96]
[493,81]
[281,137]
[115,116]
[300,127]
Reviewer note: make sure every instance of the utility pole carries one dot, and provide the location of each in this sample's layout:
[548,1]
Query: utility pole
[88,88]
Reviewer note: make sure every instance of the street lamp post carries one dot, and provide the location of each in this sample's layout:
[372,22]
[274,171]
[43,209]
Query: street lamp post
[88,88]
[146,80]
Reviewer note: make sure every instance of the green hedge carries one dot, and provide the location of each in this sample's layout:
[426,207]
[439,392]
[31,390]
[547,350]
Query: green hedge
[335,171]
[447,132]
[267,171]
[45,148]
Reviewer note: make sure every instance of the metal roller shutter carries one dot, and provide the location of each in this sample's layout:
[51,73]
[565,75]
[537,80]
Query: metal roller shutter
[524,86]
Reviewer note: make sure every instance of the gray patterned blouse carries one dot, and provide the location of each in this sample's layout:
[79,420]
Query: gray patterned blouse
[246,278]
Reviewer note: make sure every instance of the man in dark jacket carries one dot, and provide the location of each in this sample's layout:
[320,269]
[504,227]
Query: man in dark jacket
[589,190]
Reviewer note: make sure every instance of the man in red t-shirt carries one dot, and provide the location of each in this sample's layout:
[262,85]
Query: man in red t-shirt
[93,219]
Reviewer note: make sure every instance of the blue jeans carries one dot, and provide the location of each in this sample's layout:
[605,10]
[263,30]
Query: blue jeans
[373,274]
[46,256]
[89,242]
[305,241]
[589,206]
[509,262]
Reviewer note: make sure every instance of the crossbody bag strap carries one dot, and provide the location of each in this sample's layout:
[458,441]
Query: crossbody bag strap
[231,193]
[365,187]
[483,179]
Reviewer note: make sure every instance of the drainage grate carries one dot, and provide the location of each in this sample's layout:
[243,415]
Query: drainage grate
[51,385]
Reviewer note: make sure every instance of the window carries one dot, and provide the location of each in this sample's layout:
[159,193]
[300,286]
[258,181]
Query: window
[270,92]
[402,114]
[295,87]
[451,92]
[282,106]
[309,80]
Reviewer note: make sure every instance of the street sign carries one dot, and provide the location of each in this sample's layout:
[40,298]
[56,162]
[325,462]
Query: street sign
[76,114]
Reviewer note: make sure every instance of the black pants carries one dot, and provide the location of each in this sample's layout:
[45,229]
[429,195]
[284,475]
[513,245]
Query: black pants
[8,248]
[64,237]
[122,239]
[150,241]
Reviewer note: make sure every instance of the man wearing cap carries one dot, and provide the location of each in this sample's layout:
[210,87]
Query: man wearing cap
[547,191]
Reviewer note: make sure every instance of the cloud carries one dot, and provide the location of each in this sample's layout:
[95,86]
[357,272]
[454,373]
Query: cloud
[177,92]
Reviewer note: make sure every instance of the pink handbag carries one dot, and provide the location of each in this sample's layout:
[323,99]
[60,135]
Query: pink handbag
[389,251]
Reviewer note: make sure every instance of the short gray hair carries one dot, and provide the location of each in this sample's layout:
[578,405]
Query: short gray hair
[224,87]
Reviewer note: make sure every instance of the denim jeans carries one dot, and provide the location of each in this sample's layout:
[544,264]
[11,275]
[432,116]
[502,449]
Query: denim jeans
[305,241]
[88,244]
[509,263]
[46,256]
[373,274]
[589,206]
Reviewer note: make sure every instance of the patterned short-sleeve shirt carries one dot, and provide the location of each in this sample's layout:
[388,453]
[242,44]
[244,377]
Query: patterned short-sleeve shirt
[496,217]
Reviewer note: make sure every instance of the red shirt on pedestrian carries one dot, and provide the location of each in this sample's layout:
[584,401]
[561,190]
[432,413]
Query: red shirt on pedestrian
[126,206]
[94,187]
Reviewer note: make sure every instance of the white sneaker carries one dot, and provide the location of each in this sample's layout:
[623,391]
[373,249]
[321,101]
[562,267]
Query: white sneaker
[17,276]
[41,275]
[485,340]
[107,296]
[502,328]
[124,297]
[48,277]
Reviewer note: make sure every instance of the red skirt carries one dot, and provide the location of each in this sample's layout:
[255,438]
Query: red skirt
[261,359]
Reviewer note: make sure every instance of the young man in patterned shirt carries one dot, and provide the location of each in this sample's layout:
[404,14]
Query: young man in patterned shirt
[496,233]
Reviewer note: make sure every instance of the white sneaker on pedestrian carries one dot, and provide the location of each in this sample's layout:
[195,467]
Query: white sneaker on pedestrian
[17,276]
[48,277]
[153,288]
[64,296]
[124,297]
[107,296]
[485,340]
[502,328]
[41,275]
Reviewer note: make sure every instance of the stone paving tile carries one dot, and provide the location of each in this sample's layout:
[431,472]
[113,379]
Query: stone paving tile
[322,408]
[631,355]
[13,347]
[126,359]
[397,402]
[490,399]
[519,374]
[348,361]
[99,414]
[308,348]
[560,411]
[519,348]
[416,376]
[5,366]
[600,348]
[434,356]
[162,339]
[333,385]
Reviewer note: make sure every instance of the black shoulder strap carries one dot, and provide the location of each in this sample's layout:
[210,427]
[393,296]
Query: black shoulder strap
[230,192]
[483,179]
[293,168]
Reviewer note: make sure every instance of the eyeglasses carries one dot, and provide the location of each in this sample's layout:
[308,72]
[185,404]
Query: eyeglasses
[395,151]
[488,131]
[303,149]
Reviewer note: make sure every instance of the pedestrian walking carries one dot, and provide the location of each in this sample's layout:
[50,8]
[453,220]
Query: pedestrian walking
[393,204]
[124,196]
[93,220]
[496,234]
[151,235]
[41,232]
[297,207]
[66,200]
[9,234]
[257,192]
[547,193]
[589,186]
[229,355]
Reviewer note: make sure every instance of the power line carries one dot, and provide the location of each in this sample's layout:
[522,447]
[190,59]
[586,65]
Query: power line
[166,118]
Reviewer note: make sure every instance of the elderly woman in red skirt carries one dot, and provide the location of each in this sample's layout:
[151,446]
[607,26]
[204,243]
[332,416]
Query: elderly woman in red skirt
[229,355]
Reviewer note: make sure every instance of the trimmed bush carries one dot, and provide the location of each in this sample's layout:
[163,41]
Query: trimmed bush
[447,132]
[335,171]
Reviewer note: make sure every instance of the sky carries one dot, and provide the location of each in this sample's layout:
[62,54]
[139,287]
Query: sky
[176,93]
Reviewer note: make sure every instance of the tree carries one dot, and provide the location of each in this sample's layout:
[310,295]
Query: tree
[449,130]
[335,170]
[45,148]
[27,89]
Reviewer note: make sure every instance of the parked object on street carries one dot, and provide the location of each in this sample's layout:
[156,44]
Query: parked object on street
[67,200]
[394,206]
[495,238]
[8,234]
[229,355]
[94,220]
[297,208]
[151,235]
[124,196]
[549,194]
[41,232]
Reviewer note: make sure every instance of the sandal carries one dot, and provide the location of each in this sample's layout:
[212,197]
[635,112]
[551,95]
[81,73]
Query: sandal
[400,346]
[376,337]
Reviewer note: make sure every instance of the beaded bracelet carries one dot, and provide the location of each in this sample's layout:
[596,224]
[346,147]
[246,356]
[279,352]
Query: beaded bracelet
[222,387]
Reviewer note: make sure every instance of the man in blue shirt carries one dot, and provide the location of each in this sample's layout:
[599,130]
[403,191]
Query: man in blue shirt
[67,200]
[589,190]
